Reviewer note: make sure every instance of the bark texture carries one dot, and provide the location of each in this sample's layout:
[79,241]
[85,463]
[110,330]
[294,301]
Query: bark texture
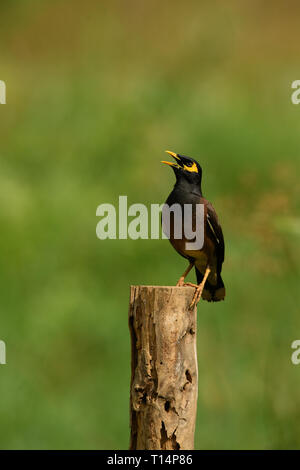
[164,373]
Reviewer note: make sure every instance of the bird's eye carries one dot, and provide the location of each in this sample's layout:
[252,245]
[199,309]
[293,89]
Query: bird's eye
[191,167]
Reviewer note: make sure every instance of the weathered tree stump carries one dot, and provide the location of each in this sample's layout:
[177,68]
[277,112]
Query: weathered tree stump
[164,373]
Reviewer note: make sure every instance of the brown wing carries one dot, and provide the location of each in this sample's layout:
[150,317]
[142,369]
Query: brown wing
[216,229]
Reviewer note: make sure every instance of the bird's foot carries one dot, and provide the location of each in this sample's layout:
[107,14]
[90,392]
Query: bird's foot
[197,296]
[180,282]
[199,289]
[190,284]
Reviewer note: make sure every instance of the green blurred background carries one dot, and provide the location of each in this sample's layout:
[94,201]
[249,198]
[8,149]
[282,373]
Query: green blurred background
[96,91]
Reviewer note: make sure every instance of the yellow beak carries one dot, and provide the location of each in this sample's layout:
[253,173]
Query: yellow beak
[174,155]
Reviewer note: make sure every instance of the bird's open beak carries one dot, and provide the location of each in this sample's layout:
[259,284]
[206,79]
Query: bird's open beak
[176,164]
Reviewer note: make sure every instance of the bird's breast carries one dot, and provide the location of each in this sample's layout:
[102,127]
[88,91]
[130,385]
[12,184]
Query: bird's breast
[177,237]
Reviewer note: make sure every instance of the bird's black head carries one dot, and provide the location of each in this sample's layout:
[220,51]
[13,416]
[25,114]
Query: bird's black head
[186,169]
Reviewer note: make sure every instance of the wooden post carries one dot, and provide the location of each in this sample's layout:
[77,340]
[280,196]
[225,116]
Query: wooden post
[164,373]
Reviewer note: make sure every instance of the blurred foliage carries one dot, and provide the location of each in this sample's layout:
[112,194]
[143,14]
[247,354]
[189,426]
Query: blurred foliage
[95,93]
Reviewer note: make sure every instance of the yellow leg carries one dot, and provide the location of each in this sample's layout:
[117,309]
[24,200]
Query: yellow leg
[182,278]
[200,288]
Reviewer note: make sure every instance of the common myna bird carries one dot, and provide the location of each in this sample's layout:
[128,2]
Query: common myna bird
[207,260]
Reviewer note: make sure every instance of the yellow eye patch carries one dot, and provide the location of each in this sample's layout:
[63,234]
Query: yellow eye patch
[192,169]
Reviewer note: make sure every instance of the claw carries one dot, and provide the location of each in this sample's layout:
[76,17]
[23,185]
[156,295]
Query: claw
[190,284]
[194,301]
[180,283]
[199,290]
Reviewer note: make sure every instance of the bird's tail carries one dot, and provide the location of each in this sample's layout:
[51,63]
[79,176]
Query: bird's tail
[212,293]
